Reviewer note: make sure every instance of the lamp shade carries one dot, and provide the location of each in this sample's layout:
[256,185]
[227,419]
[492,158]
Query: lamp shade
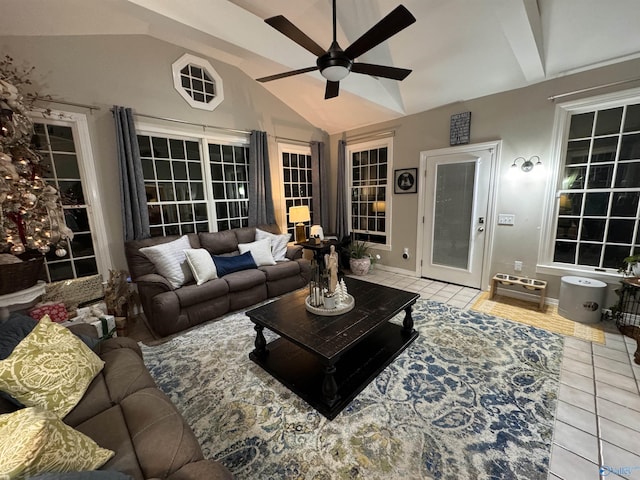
[379,207]
[299,214]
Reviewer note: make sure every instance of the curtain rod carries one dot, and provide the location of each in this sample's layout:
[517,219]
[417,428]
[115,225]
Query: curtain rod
[589,89]
[284,139]
[91,108]
[226,129]
[389,133]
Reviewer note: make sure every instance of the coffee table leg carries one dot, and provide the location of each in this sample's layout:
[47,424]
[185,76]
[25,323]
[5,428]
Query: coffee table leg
[260,351]
[407,324]
[329,386]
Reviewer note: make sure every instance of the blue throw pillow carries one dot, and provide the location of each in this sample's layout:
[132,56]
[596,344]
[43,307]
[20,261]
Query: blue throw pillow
[225,265]
[12,331]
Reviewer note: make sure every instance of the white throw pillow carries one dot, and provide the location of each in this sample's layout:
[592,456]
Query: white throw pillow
[171,261]
[201,264]
[260,251]
[278,243]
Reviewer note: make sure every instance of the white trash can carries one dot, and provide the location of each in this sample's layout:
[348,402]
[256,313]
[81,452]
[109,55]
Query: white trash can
[581,299]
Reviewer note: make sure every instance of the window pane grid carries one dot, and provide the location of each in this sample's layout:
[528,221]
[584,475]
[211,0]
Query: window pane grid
[173,185]
[598,220]
[368,194]
[298,185]
[229,182]
[59,167]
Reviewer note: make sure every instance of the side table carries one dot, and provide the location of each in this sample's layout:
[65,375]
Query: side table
[627,316]
[20,297]
[319,249]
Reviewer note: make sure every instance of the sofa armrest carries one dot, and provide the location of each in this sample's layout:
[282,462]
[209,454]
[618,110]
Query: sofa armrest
[293,252]
[202,470]
[154,281]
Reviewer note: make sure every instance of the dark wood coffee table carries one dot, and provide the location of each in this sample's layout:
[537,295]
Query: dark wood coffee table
[327,361]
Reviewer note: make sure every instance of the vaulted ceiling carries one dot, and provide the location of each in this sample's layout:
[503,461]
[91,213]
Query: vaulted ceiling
[457,49]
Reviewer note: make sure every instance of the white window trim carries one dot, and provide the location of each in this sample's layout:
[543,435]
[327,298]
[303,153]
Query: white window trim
[188,59]
[287,148]
[558,150]
[86,165]
[203,139]
[368,145]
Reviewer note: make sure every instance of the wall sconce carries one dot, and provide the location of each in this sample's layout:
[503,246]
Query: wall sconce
[527,165]
[298,215]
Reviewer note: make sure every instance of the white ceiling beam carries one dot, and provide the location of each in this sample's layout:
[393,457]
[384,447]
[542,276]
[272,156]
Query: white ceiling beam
[522,27]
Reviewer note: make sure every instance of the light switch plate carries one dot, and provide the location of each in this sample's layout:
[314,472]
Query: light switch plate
[506,219]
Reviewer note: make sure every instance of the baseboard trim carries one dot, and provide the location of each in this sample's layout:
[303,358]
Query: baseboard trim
[400,271]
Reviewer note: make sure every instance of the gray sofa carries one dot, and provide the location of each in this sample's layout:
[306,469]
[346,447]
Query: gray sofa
[170,310]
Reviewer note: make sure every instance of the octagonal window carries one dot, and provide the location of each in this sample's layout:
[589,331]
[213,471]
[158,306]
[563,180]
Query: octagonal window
[197,82]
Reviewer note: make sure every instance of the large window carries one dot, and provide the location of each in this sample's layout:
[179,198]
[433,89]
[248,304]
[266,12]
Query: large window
[369,170]
[194,184]
[63,142]
[598,191]
[296,181]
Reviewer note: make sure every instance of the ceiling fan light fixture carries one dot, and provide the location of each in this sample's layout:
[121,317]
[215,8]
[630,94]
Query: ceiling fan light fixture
[335,73]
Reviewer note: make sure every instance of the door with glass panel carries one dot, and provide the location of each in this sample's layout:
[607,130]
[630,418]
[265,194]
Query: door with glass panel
[456,199]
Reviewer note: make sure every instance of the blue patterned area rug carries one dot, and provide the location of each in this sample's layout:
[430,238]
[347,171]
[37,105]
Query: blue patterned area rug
[474,397]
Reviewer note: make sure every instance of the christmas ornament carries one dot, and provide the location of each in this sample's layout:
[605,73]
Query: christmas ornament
[60,252]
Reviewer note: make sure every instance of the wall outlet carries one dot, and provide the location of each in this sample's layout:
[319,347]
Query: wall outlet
[506,219]
[517,266]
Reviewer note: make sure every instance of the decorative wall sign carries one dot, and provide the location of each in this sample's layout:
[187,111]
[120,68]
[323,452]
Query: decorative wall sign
[406,180]
[460,129]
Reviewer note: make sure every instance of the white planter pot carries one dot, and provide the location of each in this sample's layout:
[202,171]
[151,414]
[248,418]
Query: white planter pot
[360,266]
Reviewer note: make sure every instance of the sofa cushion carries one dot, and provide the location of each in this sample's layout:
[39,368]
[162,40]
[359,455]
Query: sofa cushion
[201,265]
[194,294]
[109,429]
[281,270]
[218,243]
[229,264]
[260,251]
[34,441]
[51,368]
[244,280]
[278,243]
[162,440]
[93,475]
[170,260]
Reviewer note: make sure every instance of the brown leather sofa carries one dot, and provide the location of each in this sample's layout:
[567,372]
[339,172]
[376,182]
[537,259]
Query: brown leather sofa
[124,411]
[170,310]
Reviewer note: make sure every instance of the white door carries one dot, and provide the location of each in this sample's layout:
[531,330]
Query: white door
[455,222]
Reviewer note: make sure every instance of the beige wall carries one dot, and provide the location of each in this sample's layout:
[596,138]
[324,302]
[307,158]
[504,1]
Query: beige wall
[135,71]
[523,120]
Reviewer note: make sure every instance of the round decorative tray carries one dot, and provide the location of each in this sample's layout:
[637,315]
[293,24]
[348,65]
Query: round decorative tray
[344,307]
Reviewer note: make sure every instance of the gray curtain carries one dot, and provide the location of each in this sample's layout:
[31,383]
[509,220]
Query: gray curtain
[260,197]
[320,186]
[135,215]
[342,217]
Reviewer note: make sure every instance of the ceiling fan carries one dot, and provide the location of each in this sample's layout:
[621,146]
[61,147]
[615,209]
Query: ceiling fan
[335,64]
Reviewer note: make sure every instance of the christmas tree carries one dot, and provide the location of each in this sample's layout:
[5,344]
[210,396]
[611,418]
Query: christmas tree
[31,218]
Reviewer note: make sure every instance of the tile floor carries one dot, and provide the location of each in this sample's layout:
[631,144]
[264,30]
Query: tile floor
[598,415]
[597,430]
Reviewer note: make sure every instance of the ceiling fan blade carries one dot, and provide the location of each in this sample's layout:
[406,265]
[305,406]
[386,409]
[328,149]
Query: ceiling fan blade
[332,90]
[399,19]
[278,76]
[288,29]
[381,71]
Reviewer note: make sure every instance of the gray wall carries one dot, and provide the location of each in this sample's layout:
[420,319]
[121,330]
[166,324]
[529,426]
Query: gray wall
[135,71]
[523,120]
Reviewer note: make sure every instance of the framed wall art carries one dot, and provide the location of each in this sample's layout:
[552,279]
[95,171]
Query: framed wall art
[405,180]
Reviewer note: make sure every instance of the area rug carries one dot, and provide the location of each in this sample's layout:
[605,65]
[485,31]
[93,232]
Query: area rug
[528,313]
[473,397]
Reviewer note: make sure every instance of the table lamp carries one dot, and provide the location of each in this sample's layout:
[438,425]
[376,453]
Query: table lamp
[298,215]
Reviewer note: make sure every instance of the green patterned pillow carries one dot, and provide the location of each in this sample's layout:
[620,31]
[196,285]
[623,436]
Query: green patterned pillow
[50,368]
[34,441]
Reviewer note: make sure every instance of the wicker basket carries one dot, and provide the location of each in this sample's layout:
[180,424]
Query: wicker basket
[20,276]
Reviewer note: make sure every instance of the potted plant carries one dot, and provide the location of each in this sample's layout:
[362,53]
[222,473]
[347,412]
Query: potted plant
[631,266]
[360,260]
